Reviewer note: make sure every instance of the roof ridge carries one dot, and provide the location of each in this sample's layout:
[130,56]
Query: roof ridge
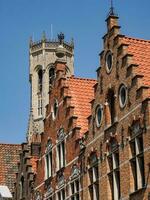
[139,39]
[81,78]
[10,144]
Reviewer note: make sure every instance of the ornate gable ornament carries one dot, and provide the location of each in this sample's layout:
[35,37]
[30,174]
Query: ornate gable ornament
[60,179]
[49,145]
[61,135]
[38,196]
[93,158]
[48,192]
[135,128]
[75,172]
[112,143]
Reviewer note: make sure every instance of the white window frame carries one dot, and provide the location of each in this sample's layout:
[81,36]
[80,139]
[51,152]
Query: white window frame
[115,168]
[76,192]
[60,155]
[138,156]
[61,193]
[94,183]
[48,164]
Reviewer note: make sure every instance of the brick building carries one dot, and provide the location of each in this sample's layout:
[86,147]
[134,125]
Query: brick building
[9,158]
[96,142]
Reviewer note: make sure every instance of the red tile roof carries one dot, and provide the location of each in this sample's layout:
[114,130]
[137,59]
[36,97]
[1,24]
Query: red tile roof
[9,157]
[140,49]
[82,92]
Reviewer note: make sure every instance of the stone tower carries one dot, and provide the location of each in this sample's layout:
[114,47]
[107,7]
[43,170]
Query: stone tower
[42,72]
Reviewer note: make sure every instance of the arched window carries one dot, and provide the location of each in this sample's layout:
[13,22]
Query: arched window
[51,75]
[40,77]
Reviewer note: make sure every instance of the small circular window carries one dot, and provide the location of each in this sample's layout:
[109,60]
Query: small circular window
[55,109]
[99,115]
[122,95]
[109,61]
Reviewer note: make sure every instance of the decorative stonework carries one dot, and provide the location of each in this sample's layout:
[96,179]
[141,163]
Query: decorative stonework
[61,135]
[75,172]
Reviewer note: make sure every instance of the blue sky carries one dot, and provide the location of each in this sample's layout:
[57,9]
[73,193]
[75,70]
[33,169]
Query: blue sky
[84,20]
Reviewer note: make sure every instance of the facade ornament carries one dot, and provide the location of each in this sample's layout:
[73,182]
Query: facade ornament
[61,134]
[81,144]
[61,38]
[75,172]
[48,192]
[49,145]
[60,180]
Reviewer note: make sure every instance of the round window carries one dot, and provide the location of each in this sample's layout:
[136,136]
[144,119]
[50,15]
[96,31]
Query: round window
[55,109]
[122,96]
[109,61]
[99,115]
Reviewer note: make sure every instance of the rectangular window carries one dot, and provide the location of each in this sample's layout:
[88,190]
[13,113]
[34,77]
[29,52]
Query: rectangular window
[61,195]
[74,190]
[94,184]
[61,155]
[137,161]
[114,175]
[48,164]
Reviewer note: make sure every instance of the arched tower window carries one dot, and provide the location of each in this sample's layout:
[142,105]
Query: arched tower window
[51,75]
[111,103]
[40,77]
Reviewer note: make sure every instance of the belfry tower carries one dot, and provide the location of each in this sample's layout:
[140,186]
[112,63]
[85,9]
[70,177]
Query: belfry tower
[42,72]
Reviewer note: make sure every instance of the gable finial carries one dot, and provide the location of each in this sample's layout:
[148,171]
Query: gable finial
[111,12]
[111,8]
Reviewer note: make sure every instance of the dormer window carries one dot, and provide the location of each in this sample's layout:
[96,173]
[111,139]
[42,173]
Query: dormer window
[109,61]
[122,96]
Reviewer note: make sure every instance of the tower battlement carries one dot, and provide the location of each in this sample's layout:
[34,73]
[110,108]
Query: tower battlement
[48,44]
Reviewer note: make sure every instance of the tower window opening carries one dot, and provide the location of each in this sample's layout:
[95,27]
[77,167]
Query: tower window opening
[51,75]
[40,77]
[39,104]
[111,102]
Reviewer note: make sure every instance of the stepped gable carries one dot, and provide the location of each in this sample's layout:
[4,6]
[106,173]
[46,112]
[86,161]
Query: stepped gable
[9,157]
[140,49]
[82,92]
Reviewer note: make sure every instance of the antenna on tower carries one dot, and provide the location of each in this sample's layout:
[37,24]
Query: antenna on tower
[51,32]
[111,12]
[111,7]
